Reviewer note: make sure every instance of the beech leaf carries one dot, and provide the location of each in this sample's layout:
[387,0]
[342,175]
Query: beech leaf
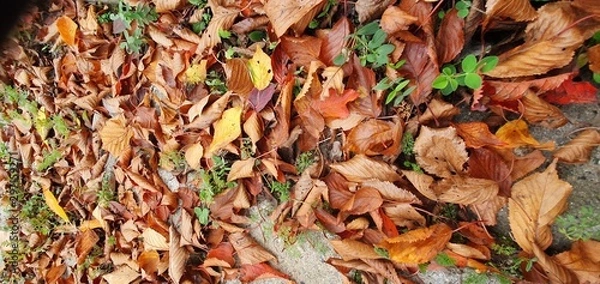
[440,151]
[116,135]
[350,249]
[67,29]
[362,168]
[579,150]
[285,13]
[227,129]
[419,245]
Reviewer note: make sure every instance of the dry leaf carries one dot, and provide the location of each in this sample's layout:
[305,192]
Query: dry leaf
[260,69]
[238,76]
[362,168]
[450,39]
[583,259]
[351,249]
[556,273]
[366,199]
[222,19]
[148,261]
[242,169]
[535,202]
[466,190]
[419,245]
[395,19]
[121,275]
[67,29]
[422,182]
[249,252]
[368,10]
[249,273]
[389,191]
[193,154]
[593,54]
[302,50]
[168,5]
[438,110]
[227,129]
[84,244]
[54,205]
[285,13]
[518,10]
[153,240]
[177,256]
[536,110]
[516,133]
[440,151]
[477,135]
[579,150]
[116,135]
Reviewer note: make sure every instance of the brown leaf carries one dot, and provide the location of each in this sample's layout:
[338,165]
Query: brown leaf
[556,273]
[593,54]
[334,41]
[535,202]
[362,168]
[419,245]
[123,274]
[536,110]
[154,240]
[579,150]
[451,37]
[168,5]
[395,19]
[477,135]
[466,190]
[422,182]
[366,199]
[509,91]
[222,19]
[438,110]
[285,13]
[116,135]
[518,10]
[389,191]
[440,151]
[484,163]
[302,50]
[550,43]
[85,242]
[249,252]
[368,10]
[403,215]
[238,76]
[149,260]
[242,169]
[583,259]
[590,6]
[351,249]
[421,67]
[249,273]
[334,106]
[177,256]
[221,255]
[374,137]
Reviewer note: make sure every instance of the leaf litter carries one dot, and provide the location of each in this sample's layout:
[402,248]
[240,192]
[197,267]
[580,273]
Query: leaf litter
[228,97]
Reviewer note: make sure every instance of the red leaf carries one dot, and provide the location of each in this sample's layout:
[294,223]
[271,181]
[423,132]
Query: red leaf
[334,106]
[279,61]
[509,91]
[334,40]
[388,226]
[421,69]
[260,271]
[451,38]
[260,98]
[570,92]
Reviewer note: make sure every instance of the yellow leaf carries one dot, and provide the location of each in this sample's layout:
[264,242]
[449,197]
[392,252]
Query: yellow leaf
[116,135]
[196,73]
[516,133]
[260,69]
[227,129]
[54,206]
[67,29]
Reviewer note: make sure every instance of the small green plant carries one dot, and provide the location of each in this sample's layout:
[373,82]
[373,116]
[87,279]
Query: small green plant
[202,213]
[449,80]
[49,158]
[130,22]
[304,160]
[596,77]
[38,215]
[408,144]
[382,252]
[369,44]
[172,160]
[281,190]
[504,249]
[476,278]
[397,90]
[583,225]
[216,84]
[461,6]
[106,194]
[444,259]
[200,26]
[318,19]
[199,3]
[214,180]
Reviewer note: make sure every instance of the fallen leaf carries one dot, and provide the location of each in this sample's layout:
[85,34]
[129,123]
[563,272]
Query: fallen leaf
[242,169]
[518,10]
[419,245]
[450,38]
[351,249]
[593,54]
[368,10]
[375,137]
[516,133]
[555,271]
[259,99]
[84,243]
[222,20]
[583,259]
[53,204]
[440,151]
[67,29]
[389,191]
[334,41]
[116,135]
[302,50]
[438,110]
[148,261]
[153,240]
[534,204]
[395,19]
[238,76]
[285,13]
[123,274]
[579,150]
[510,91]
[334,106]
[227,129]
[249,273]
[364,200]
[477,135]
[421,68]
[466,190]
[362,168]
[168,5]
[248,251]
[570,92]
[193,154]
[177,256]
[485,163]
[536,110]
[422,182]
[260,69]
[222,256]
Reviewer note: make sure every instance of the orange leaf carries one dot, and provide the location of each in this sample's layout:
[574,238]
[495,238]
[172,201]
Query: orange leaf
[334,41]
[466,190]
[361,168]
[374,137]
[419,245]
[477,135]
[593,54]
[395,19]
[334,106]
[366,199]
[536,110]
[351,249]
[149,260]
[302,50]
[579,149]
[570,92]
[84,243]
[238,77]
[116,135]
[67,29]
[221,255]
[484,163]
[285,13]
[583,259]
[249,252]
[534,204]
[249,273]
[516,133]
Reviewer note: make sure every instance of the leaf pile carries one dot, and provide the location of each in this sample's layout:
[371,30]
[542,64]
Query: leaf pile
[150,128]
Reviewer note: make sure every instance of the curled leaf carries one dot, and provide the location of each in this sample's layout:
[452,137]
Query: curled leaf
[579,149]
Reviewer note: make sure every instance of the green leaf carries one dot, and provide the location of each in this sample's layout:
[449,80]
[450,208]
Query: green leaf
[440,82]
[224,34]
[371,58]
[453,83]
[313,24]
[257,36]
[397,65]
[473,80]
[488,63]
[202,213]
[339,60]
[463,13]
[462,5]
[596,77]
[441,14]
[469,63]
[368,29]
[385,49]
[449,70]
[377,40]
[390,97]
[382,85]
